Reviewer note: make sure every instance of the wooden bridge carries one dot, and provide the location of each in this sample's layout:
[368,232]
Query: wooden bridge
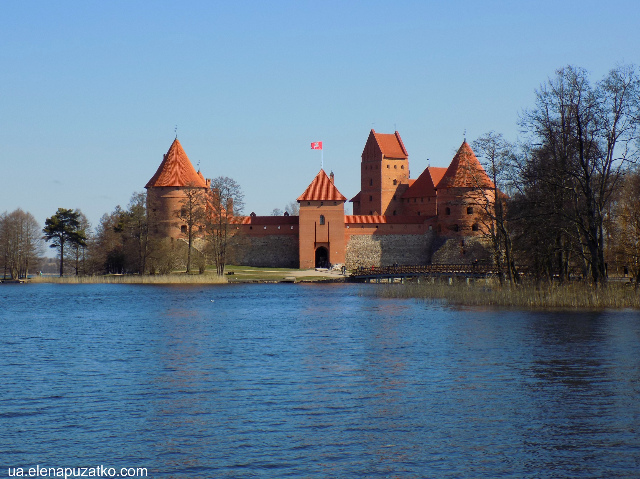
[379,273]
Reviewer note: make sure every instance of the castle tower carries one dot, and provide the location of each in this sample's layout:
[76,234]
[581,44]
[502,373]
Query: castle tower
[384,175]
[321,220]
[166,191]
[421,197]
[464,192]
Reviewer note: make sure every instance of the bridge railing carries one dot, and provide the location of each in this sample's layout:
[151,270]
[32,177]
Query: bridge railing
[403,270]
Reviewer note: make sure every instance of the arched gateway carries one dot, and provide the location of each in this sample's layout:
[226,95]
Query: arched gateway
[322,257]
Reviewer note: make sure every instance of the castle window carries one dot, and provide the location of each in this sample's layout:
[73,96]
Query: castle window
[292,227]
[370,212]
[371,182]
[388,166]
[278,227]
[475,227]
[394,197]
[321,219]
[394,212]
[415,200]
[470,210]
[370,198]
[395,182]
[402,167]
[455,228]
[183,229]
[447,211]
[321,203]
[265,228]
[418,213]
[395,166]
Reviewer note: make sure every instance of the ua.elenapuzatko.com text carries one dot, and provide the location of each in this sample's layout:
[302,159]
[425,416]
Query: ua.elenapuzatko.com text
[98,471]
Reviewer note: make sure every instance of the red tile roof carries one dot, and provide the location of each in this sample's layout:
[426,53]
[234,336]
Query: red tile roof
[321,189]
[390,144]
[355,199]
[176,170]
[426,183]
[381,219]
[268,220]
[465,171]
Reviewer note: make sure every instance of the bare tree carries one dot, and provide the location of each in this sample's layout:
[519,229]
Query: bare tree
[192,213]
[293,208]
[20,243]
[497,158]
[227,201]
[587,134]
[625,225]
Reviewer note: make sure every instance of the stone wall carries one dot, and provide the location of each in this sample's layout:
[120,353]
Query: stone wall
[462,250]
[384,250]
[275,251]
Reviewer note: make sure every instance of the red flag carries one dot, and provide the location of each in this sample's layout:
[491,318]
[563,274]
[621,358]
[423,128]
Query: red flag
[316,145]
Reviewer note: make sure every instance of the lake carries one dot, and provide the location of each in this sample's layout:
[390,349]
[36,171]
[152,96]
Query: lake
[312,381]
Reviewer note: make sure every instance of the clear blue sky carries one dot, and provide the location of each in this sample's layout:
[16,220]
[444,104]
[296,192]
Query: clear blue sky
[90,91]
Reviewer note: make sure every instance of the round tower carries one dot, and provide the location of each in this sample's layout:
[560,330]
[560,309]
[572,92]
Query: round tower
[166,191]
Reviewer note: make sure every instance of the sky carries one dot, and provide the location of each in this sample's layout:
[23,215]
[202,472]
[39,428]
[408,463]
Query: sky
[91,92]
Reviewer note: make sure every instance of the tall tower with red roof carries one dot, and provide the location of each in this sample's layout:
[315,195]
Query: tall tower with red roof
[321,223]
[384,175]
[166,191]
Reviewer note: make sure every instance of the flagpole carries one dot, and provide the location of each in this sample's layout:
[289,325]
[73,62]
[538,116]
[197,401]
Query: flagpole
[322,159]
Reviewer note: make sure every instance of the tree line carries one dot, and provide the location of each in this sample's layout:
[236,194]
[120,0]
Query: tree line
[567,194]
[125,241]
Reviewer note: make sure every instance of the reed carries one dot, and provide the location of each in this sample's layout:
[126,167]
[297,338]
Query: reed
[528,296]
[134,279]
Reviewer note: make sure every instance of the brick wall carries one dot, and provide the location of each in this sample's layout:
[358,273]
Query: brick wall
[384,250]
[276,251]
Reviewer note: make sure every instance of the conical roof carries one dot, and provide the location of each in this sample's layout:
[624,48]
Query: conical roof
[465,171]
[176,170]
[321,189]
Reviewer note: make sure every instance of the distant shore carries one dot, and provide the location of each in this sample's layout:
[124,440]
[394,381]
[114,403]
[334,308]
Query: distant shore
[233,274]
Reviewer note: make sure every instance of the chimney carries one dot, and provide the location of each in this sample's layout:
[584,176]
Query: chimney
[331,177]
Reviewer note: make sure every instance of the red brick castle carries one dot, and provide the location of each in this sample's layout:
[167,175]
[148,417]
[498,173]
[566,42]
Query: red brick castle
[438,217]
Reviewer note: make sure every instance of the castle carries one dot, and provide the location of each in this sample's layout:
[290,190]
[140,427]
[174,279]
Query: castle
[438,217]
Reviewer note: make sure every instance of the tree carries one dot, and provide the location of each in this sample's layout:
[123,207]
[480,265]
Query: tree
[276,212]
[625,225]
[134,228]
[227,201]
[497,158]
[581,137]
[77,252]
[192,213]
[20,243]
[293,208]
[62,228]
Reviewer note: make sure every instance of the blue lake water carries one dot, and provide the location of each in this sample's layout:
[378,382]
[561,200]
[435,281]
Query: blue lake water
[312,381]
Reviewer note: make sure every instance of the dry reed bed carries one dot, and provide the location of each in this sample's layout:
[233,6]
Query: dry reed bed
[134,279]
[554,296]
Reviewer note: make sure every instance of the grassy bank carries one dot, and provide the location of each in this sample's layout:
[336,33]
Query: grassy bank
[177,278]
[551,296]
